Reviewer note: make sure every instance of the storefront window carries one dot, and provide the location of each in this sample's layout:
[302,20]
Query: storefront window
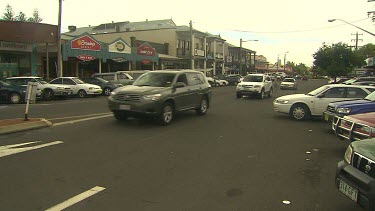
[14,64]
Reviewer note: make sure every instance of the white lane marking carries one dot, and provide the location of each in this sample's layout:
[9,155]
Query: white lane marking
[70,117]
[76,199]
[11,149]
[81,120]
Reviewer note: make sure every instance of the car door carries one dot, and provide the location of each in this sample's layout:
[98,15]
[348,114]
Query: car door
[181,94]
[194,89]
[327,96]
[73,85]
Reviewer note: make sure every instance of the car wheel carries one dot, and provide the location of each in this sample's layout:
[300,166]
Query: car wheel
[270,93]
[120,115]
[15,98]
[238,95]
[48,94]
[107,91]
[202,110]
[261,95]
[82,93]
[300,112]
[166,115]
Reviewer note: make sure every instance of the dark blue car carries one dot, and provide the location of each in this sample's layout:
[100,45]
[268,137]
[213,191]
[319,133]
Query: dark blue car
[342,108]
[11,93]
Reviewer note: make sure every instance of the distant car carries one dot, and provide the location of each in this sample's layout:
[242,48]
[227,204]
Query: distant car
[339,80]
[232,79]
[106,86]
[303,106]
[365,83]
[355,175]
[359,79]
[119,77]
[255,85]
[222,82]
[14,94]
[212,81]
[79,87]
[288,83]
[49,90]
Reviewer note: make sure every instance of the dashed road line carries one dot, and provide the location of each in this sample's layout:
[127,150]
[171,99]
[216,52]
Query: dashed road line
[81,120]
[76,199]
[17,148]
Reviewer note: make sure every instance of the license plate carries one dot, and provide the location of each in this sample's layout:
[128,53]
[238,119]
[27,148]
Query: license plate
[352,193]
[326,117]
[124,107]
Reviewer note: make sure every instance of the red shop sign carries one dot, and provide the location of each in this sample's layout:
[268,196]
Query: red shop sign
[146,61]
[86,57]
[85,43]
[146,50]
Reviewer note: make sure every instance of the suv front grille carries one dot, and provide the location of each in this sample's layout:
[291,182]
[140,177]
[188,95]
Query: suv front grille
[354,131]
[364,164]
[331,109]
[127,97]
[248,86]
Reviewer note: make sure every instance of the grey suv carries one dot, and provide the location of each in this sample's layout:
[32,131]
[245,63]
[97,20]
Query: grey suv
[160,94]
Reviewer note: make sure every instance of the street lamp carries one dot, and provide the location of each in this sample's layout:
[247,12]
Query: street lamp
[331,20]
[277,64]
[241,41]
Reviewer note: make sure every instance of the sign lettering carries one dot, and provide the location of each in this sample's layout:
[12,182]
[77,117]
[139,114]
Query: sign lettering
[85,43]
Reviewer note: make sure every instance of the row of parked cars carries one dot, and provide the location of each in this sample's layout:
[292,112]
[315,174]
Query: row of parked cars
[350,111]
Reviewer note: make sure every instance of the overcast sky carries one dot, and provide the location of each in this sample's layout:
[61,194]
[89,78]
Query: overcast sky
[299,27]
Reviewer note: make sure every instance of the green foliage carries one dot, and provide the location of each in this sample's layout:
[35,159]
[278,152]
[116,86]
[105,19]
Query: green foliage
[336,60]
[8,15]
[20,17]
[367,51]
[35,18]
[301,68]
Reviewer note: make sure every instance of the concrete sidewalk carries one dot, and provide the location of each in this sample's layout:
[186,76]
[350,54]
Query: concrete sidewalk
[17,125]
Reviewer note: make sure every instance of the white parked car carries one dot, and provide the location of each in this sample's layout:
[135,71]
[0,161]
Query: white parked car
[48,90]
[288,83]
[79,87]
[303,106]
[221,82]
[255,84]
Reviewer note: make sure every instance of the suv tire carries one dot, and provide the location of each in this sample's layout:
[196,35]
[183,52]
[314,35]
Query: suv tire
[202,110]
[167,114]
[107,91]
[238,95]
[262,94]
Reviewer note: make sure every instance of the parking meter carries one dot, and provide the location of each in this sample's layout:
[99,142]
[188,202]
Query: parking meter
[30,96]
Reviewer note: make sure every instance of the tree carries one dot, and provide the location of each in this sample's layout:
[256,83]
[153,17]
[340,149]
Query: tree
[336,60]
[367,51]
[20,17]
[35,18]
[9,14]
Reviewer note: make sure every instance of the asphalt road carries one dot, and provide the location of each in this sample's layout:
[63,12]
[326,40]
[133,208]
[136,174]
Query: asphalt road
[240,156]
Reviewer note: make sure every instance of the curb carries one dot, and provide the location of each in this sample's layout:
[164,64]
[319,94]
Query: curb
[41,123]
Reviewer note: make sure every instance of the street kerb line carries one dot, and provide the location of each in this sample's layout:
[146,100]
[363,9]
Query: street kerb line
[76,199]
[81,120]
[71,117]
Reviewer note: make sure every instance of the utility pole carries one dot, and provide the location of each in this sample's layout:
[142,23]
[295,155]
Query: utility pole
[59,54]
[356,40]
[240,55]
[191,45]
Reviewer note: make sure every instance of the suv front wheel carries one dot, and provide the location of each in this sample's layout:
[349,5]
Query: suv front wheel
[167,114]
[202,110]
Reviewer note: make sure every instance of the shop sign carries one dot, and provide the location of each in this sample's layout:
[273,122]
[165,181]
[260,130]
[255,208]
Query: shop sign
[86,57]
[14,46]
[85,43]
[119,60]
[146,50]
[119,47]
[146,61]
[199,53]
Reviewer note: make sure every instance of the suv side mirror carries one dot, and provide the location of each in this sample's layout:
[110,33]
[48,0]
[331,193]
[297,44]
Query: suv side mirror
[179,84]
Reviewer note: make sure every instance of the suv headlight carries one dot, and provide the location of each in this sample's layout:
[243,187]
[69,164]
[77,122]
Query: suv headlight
[343,110]
[153,97]
[281,101]
[348,154]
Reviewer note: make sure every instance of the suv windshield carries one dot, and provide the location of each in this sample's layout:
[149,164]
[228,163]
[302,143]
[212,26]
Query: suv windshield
[253,78]
[156,79]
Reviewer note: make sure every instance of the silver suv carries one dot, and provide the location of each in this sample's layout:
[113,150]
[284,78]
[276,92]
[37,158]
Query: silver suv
[255,84]
[161,94]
